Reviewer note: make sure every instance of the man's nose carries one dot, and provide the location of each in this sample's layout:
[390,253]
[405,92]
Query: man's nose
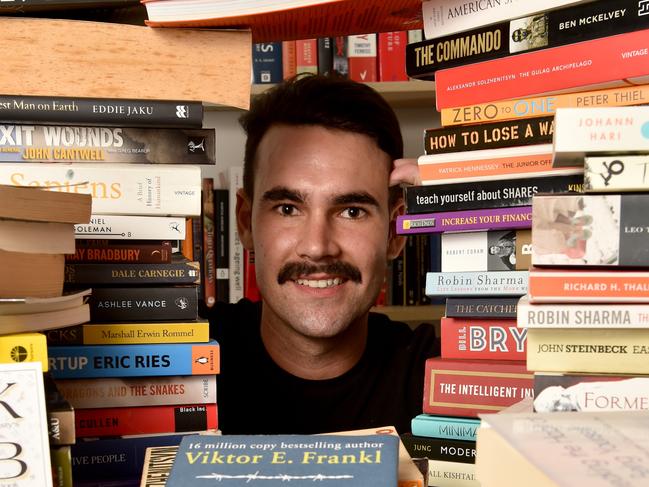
[319,238]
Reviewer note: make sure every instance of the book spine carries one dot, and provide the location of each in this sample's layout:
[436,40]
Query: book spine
[497,283]
[598,131]
[445,427]
[397,280]
[482,339]
[439,448]
[251,291]
[208,262]
[222,253]
[235,246]
[543,106]
[82,361]
[392,56]
[341,59]
[616,351]
[197,252]
[588,287]
[362,55]
[61,429]
[138,391]
[500,193]
[424,264]
[143,420]
[469,220]
[306,52]
[267,62]
[583,65]
[63,143]
[498,308]
[102,112]
[410,272]
[158,462]
[108,304]
[590,230]
[186,245]
[470,387]
[131,333]
[114,458]
[127,227]
[289,59]
[113,274]
[325,55]
[491,135]
[618,173]
[121,251]
[582,316]
[24,347]
[451,474]
[506,250]
[61,460]
[127,189]
[545,29]
[451,16]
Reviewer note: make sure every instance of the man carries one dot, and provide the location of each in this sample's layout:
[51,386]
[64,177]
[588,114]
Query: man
[318,212]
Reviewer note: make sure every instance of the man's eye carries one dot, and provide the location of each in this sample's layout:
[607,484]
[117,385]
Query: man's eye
[286,210]
[353,212]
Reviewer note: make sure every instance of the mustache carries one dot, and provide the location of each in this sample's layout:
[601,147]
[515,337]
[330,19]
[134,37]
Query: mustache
[293,270]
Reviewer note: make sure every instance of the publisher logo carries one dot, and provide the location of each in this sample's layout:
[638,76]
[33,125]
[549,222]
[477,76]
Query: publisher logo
[643,7]
[182,303]
[265,77]
[19,353]
[196,145]
[182,111]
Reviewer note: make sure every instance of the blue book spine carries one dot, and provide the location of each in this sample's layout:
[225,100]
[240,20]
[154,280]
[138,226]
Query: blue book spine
[447,427]
[267,62]
[87,361]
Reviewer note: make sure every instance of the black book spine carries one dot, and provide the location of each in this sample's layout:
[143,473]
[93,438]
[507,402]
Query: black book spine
[221,249]
[397,280]
[325,55]
[132,274]
[461,451]
[340,58]
[494,135]
[553,28]
[504,193]
[99,111]
[179,303]
[500,308]
[411,271]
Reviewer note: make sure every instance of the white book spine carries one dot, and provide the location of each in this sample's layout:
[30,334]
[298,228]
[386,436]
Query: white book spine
[446,17]
[118,189]
[236,248]
[616,173]
[128,227]
[485,154]
[496,283]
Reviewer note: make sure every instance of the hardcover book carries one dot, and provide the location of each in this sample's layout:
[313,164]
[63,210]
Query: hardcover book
[24,432]
[130,227]
[178,271]
[445,427]
[461,451]
[267,62]
[24,347]
[443,473]
[590,230]
[470,387]
[495,283]
[482,339]
[616,173]
[276,459]
[486,251]
[503,308]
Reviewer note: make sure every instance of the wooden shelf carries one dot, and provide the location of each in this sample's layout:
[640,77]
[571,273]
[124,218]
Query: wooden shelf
[418,314]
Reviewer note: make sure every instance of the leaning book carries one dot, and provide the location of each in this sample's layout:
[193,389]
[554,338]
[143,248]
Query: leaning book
[24,442]
[278,460]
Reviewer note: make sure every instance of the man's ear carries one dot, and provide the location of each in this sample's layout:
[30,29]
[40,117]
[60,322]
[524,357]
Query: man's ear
[244,219]
[395,242]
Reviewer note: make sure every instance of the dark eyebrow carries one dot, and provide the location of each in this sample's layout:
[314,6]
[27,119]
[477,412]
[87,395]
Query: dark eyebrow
[357,198]
[282,193]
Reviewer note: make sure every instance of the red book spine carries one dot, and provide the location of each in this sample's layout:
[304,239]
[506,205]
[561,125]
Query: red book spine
[483,339]
[470,387]
[580,66]
[250,289]
[144,420]
[306,54]
[289,59]
[362,54]
[120,251]
[392,56]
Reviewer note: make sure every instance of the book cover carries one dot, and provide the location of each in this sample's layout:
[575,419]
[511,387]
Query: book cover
[517,217]
[26,449]
[178,271]
[477,194]
[580,66]
[590,230]
[138,391]
[595,315]
[34,204]
[130,189]
[362,57]
[392,56]
[492,339]
[306,54]
[443,473]
[85,361]
[130,227]
[495,283]
[506,250]
[445,427]
[461,451]
[555,285]
[590,392]
[144,420]
[267,62]
[469,387]
[587,131]
[150,303]
[24,347]
[491,135]
[66,143]
[520,108]
[500,308]
[277,459]
[341,60]
[597,350]
[617,173]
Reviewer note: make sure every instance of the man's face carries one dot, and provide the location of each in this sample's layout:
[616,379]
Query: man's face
[319,225]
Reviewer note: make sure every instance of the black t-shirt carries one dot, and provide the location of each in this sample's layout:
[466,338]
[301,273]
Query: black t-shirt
[255,396]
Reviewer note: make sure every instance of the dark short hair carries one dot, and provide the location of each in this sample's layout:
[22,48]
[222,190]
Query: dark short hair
[329,101]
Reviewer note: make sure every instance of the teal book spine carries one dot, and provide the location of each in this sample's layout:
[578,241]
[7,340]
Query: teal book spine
[448,427]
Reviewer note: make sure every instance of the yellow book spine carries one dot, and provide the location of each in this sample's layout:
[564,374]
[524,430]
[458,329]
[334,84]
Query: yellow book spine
[24,347]
[588,351]
[544,105]
[136,333]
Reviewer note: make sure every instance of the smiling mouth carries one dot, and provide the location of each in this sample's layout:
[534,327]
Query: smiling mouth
[320,283]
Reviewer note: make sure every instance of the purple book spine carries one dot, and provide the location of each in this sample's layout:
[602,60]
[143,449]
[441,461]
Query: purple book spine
[461,221]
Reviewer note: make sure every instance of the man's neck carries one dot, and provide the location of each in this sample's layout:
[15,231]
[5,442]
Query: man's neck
[314,358]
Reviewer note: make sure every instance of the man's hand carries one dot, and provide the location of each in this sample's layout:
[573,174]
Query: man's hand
[405,172]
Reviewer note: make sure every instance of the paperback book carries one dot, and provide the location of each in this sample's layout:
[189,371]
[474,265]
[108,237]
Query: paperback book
[482,339]
[518,217]
[493,283]
[616,173]
[500,308]
[506,250]
[445,427]
[130,227]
